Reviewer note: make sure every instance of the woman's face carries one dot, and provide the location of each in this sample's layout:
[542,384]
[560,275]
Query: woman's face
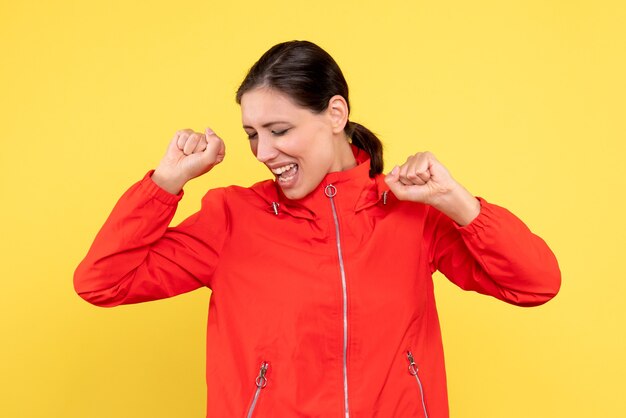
[298,146]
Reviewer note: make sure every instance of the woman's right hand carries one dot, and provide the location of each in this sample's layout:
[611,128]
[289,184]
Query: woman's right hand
[190,154]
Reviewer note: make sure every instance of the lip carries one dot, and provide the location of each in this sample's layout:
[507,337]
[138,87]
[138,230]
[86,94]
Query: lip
[278,165]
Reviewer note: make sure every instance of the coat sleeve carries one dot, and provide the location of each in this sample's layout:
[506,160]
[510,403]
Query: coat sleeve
[136,257]
[496,254]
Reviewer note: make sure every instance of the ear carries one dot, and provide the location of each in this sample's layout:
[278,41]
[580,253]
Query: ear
[338,112]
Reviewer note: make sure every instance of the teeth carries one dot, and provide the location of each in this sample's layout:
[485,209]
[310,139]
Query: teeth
[280,170]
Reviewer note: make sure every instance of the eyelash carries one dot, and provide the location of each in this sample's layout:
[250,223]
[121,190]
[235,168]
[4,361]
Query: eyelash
[275,133]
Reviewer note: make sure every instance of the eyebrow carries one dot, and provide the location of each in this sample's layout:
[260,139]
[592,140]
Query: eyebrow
[267,125]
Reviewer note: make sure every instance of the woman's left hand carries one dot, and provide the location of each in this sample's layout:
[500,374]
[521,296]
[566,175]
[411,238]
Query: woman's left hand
[424,179]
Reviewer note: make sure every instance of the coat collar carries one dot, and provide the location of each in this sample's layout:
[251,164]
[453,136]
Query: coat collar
[355,191]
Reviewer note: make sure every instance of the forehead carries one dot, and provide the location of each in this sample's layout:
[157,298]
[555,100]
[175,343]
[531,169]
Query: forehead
[265,105]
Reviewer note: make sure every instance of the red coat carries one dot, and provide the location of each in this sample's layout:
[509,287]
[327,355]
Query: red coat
[304,322]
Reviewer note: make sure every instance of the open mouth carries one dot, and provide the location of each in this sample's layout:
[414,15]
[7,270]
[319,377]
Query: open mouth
[286,173]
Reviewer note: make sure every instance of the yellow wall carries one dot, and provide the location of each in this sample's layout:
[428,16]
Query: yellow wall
[523,100]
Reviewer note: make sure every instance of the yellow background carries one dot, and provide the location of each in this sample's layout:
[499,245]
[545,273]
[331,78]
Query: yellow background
[523,100]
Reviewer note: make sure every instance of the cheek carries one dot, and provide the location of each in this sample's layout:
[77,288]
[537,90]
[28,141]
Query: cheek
[319,163]
[320,147]
[253,146]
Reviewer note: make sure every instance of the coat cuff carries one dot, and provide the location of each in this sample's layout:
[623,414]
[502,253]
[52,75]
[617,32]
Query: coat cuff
[148,186]
[479,222]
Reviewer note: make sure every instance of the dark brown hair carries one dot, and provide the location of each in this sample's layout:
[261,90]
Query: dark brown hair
[310,77]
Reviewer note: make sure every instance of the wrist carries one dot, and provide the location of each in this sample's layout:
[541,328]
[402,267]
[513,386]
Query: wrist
[459,205]
[168,183]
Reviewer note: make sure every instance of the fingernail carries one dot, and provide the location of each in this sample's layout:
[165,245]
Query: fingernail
[209,131]
[395,171]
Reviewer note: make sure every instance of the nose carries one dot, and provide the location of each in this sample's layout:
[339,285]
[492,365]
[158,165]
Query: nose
[264,149]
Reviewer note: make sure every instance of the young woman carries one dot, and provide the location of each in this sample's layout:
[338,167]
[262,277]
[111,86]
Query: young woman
[322,298]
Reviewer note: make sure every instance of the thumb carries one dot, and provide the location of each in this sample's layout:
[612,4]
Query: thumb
[393,179]
[393,174]
[215,148]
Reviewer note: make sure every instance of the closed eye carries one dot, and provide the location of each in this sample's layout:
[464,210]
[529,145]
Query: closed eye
[280,133]
[254,135]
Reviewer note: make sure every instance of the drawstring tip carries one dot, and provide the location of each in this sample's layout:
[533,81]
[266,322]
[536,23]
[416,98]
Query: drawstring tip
[275,206]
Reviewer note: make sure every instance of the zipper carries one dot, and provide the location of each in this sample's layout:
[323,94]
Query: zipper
[260,382]
[413,371]
[330,192]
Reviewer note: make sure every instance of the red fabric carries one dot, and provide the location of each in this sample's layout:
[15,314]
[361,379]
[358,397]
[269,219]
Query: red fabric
[277,292]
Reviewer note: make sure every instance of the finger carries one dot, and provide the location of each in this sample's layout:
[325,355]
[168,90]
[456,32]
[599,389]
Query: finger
[408,171]
[403,170]
[183,134]
[418,168]
[412,177]
[411,192]
[191,143]
[422,167]
[424,176]
[201,146]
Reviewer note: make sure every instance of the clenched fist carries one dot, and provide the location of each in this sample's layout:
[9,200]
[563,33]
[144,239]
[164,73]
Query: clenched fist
[424,179]
[190,154]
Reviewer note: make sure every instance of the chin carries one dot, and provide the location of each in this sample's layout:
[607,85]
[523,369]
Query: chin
[295,194]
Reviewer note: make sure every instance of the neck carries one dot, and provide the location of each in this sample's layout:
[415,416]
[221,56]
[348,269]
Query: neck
[344,156]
